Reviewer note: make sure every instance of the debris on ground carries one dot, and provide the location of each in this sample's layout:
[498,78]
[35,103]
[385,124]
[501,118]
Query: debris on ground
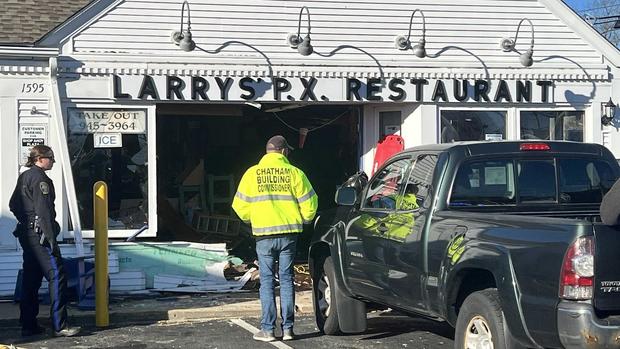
[213,281]
[303,280]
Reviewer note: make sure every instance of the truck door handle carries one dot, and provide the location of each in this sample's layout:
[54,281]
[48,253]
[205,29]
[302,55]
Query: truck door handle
[459,230]
[382,228]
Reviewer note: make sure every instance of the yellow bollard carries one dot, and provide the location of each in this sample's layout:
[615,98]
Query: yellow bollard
[100,204]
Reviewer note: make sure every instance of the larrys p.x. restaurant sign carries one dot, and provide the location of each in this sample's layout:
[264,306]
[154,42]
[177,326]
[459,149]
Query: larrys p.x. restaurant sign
[197,88]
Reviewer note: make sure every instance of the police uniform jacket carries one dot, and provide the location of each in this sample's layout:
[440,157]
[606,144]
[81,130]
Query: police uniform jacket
[275,197]
[32,198]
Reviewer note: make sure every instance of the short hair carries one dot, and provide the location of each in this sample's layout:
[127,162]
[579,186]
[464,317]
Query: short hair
[38,151]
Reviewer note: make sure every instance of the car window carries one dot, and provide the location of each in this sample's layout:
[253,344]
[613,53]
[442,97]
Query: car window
[386,185]
[584,180]
[419,183]
[508,182]
[484,183]
[536,181]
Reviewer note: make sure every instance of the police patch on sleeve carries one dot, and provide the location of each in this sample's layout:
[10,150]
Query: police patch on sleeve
[45,188]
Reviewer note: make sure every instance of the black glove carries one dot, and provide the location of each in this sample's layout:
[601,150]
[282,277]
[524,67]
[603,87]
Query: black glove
[56,228]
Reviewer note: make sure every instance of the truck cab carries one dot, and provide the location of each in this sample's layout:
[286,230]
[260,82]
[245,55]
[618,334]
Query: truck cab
[449,231]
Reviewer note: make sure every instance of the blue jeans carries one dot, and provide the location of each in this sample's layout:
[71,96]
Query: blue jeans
[268,251]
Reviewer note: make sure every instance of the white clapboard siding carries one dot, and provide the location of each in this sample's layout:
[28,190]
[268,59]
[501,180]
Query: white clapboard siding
[11,262]
[125,281]
[32,107]
[356,33]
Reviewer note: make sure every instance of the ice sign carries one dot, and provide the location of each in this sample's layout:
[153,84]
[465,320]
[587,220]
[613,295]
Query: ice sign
[108,140]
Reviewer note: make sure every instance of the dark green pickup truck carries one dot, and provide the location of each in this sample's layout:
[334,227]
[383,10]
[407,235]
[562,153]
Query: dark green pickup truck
[502,240]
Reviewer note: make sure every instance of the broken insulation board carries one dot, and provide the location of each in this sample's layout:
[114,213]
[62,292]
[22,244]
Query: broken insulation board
[172,258]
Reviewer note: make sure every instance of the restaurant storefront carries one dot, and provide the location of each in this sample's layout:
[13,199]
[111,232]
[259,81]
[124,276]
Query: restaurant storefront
[171,126]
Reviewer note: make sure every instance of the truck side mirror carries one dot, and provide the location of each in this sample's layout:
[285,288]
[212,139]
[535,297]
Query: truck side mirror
[346,196]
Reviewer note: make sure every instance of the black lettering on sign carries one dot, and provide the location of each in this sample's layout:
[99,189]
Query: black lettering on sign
[308,89]
[440,92]
[199,88]
[503,92]
[224,87]
[524,91]
[148,88]
[544,93]
[353,88]
[481,89]
[373,86]
[280,85]
[394,87]
[419,88]
[174,87]
[116,83]
[246,85]
[461,90]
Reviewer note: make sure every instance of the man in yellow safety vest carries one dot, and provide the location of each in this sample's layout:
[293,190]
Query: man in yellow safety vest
[276,199]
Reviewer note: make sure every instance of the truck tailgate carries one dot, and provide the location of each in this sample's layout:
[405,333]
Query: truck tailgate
[607,268]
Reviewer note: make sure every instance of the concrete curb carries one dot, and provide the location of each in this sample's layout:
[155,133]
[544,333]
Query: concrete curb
[149,311]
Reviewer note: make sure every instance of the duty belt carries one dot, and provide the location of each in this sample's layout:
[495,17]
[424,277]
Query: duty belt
[28,225]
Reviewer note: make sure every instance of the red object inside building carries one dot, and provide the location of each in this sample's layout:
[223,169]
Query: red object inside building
[387,147]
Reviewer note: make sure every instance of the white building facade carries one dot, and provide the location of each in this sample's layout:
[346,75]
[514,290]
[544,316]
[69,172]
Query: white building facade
[103,89]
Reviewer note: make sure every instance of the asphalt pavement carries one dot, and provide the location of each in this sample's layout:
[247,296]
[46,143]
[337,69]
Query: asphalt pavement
[216,321]
[385,330]
[164,307]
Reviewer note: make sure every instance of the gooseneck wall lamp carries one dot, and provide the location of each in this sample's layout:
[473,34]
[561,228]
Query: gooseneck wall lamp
[404,43]
[183,38]
[303,46]
[510,45]
[609,111]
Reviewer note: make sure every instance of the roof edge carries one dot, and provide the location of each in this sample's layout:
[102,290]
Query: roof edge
[76,22]
[28,51]
[580,26]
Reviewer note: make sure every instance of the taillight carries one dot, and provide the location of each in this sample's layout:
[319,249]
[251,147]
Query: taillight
[534,146]
[577,275]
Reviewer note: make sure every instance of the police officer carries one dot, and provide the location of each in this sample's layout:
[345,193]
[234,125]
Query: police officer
[276,199]
[32,203]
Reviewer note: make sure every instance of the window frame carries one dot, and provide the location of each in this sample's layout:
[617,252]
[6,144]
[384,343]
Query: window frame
[555,110]
[415,159]
[507,119]
[363,206]
[150,132]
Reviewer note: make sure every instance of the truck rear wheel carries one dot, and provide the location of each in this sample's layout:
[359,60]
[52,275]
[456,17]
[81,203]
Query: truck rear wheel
[480,323]
[324,297]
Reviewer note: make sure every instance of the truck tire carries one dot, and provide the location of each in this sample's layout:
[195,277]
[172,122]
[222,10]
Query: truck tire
[324,298]
[480,322]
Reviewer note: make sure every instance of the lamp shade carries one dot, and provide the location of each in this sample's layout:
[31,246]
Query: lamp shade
[187,44]
[419,50]
[526,58]
[305,47]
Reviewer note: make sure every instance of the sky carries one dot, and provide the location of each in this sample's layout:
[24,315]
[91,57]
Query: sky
[576,4]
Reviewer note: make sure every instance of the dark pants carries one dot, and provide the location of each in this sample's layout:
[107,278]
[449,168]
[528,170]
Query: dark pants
[42,261]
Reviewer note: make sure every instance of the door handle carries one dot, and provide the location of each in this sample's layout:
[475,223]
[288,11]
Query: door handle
[382,228]
[459,230]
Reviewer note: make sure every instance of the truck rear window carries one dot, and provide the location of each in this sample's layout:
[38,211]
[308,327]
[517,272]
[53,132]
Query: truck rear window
[514,182]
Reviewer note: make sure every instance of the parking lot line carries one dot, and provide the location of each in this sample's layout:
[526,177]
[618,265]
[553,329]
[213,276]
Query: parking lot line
[253,330]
